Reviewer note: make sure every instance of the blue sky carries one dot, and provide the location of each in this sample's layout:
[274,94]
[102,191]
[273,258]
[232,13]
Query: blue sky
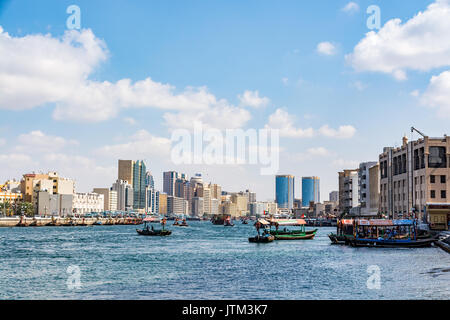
[230,47]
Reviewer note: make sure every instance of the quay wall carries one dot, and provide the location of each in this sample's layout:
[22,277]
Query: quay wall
[38,222]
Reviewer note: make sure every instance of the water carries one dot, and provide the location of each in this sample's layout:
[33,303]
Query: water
[205,261]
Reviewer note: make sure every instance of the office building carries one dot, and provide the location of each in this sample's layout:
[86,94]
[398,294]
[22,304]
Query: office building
[284,191]
[310,190]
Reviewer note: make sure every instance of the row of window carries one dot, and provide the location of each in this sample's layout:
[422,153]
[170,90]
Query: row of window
[433,179]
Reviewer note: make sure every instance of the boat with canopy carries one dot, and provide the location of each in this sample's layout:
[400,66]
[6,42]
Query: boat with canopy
[344,232]
[388,234]
[151,231]
[285,234]
[265,237]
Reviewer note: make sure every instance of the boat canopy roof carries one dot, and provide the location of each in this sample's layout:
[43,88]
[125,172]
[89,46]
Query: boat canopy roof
[347,221]
[385,222]
[264,222]
[288,222]
[150,219]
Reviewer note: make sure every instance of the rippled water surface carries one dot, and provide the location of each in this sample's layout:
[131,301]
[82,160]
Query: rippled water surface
[205,261]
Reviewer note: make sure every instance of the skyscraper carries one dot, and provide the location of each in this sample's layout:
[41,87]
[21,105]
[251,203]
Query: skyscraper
[310,190]
[284,191]
[139,193]
[126,171]
[169,179]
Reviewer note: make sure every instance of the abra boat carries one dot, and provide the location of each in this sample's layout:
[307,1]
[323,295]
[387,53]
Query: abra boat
[147,231]
[344,232]
[383,233]
[285,234]
[266,237]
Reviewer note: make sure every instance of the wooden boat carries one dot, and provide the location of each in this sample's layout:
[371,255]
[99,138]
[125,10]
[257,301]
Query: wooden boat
[218,219]
[344,232]
[298,236]
[146,231]
[382,233]
[261,239]
[22,223]
[244,221]
[301,234]
[150,232]
[228,223]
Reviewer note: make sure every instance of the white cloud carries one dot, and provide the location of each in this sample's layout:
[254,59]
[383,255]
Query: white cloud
[421,43]
[38,141]
[415,93]
[220,117]
[437,94]
[345,164]
[285,81]
[351,7]
[326,48]
[46,70]
[252,99]
[2,142]
[129,121]
[141,145]
[319,151]
[283,121]
[343,132]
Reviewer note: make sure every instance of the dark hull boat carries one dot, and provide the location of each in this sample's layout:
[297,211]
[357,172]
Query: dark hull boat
[395,243]
[149,232]
[340,239]
[261,239]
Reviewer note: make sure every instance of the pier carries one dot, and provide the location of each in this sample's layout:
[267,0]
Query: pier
[66,221]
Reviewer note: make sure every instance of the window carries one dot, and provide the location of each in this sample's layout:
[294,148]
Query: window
[443,194]
[437,157]
[433,194]
[443,179]
[421,179]
[432,179]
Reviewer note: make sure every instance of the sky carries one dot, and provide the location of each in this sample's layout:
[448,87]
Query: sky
[338,90]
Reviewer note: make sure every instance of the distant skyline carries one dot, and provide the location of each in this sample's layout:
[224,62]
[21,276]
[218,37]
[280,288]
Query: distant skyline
[77,101]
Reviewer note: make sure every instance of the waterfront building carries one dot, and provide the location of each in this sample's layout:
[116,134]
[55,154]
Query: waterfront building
[169,179]
[12,186]
[364,188]
[214,206]
[10,197]
[256,209]
[53,204]
[415,180]
[334,196]
[139,185]
[149,181]
[87,203]
[162,209]
[310,190]
[216,191]
[176,206]
[284,191]
[32,182]
[125,171]
[124,195]
[241,201]
[109,197]
[228,208]
[348,190]
[197,206]
[152,200]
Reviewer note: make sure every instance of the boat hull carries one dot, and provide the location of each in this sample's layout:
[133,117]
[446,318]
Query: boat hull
[293,232]
[160,233]
[420,243]
[259,239]
[295,236]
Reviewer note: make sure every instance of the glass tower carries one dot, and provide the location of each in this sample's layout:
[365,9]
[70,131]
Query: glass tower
[310,190]
[284,191]
[139,175]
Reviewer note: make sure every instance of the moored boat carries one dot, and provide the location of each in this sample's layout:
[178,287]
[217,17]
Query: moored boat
[150,231]
[261,239]
[265,237]
[285,234]
[344,232]
[383,233]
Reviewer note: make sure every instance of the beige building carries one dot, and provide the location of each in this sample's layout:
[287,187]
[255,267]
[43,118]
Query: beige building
[87,202]
[51,182]
[228,208]
[162,203]
[109,197]
[241,202]
[374,188]
[348,190]
[415,180]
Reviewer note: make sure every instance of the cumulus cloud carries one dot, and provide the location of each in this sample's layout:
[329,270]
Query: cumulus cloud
[252,99]
[39,141]
[129,121]
[326,48]
[343,132]
[140,145]
[437,94]
[421,43]
[283,121]
[351,7]
[44,70]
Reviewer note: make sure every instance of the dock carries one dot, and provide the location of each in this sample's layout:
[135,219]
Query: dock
[66,221]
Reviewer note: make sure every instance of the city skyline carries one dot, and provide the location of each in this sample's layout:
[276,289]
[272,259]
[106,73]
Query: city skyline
[287,85]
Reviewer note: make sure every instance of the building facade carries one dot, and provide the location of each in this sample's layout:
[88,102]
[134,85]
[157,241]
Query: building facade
[284,191]
[310,190]
[84,203]
[415,180]
[348,190]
